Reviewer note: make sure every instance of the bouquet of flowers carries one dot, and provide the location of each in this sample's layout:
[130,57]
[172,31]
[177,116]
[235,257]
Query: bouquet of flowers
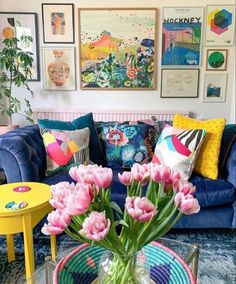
[85,211]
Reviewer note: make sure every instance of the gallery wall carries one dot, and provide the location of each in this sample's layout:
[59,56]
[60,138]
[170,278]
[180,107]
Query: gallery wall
[126,99]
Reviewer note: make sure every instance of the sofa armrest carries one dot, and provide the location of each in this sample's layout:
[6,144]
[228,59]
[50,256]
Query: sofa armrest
[231,165]
[22,154]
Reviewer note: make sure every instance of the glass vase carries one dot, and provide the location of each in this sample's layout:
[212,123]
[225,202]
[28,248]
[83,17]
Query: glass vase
[124,269]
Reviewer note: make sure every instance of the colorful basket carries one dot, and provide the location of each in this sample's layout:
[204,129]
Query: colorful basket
[81,266]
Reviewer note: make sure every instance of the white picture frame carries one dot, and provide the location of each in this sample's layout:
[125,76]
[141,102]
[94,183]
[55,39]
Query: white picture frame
[59,68]
[179,83]
[214,88]
[223,33]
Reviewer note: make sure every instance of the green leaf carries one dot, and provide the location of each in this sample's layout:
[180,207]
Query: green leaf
[116,207]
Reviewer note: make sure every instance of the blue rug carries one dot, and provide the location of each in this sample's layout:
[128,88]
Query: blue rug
[217,254]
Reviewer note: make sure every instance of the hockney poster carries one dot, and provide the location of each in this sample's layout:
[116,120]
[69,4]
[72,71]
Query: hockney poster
[117,48]
[181,35]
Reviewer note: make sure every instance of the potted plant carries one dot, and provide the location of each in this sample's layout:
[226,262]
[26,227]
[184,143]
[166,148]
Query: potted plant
[15,70]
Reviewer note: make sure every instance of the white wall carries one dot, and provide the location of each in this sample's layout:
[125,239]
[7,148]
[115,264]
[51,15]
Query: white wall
[126,100]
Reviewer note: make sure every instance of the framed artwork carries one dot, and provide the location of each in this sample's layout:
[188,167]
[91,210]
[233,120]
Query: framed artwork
[18,24]
[59,68]
[220,25]
[118,48]
[179,83]
[58,23]
[214,88]
[216,59]
[182,35]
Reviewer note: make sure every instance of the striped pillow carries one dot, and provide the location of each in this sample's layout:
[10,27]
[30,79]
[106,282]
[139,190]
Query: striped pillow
[178,149]
[65,148]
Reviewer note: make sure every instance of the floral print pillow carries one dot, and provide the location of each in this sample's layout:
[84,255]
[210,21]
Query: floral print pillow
[126,145]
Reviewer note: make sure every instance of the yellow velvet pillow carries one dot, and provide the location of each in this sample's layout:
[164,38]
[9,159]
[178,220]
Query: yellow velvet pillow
[207,162]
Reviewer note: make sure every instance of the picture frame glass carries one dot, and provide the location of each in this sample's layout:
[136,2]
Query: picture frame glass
[59,68]
[18,24]
[112,58]
[58,23]
[214,87]
[179,83]
[216,59]
[220,25]
[182,36]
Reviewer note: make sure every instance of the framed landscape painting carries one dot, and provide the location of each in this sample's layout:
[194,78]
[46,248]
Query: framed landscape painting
[214,88]
[179,83]
[118,48]
[18,24]
[59,68]
[220,25]
[182,35]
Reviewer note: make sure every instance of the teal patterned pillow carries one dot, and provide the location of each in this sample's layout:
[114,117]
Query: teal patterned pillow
[126,145]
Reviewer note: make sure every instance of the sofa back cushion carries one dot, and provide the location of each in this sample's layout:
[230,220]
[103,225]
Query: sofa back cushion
[65,148]
[95,149]
[207,162]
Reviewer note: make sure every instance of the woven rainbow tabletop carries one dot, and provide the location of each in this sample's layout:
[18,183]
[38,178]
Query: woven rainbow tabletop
[81,266]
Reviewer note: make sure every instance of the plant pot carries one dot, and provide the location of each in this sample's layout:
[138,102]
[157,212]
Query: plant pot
[6,128]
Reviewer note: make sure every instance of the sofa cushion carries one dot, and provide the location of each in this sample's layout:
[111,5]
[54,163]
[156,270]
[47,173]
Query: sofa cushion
[207,162]
[178,149]
[64,148]
[95,149]
[228,139]
[58,177]
[213,192]
[126,145]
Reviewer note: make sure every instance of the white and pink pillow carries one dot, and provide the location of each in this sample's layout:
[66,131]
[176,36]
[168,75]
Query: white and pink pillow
[178,149]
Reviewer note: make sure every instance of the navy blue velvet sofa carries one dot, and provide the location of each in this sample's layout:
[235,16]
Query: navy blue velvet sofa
[22,158]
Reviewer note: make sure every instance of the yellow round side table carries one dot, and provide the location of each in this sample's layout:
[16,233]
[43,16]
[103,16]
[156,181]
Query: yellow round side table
[24,219]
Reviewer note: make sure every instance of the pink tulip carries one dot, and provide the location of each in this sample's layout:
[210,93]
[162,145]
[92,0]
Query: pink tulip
[102,177]
[83,173]
[186,187]
[96,226]
[140,208]
[79,201]
[59,192]
[186,203]
[141,173]
[58,221]
[125,178]
[160,173]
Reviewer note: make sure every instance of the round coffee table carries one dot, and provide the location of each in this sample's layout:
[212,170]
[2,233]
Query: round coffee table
[23,220]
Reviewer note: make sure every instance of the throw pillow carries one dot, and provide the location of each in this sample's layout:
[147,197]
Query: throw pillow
[65,148]
[178,149]
[207,162]
[126,144]
[95,149]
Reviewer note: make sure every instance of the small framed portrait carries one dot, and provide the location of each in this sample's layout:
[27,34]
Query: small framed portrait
[214,88]
[216,59]
[58,23]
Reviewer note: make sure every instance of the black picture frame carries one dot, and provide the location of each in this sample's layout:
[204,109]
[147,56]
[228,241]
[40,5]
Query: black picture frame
[179,83]
[27,20]
[58,23]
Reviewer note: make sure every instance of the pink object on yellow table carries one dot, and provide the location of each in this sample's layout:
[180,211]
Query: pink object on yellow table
[16,220]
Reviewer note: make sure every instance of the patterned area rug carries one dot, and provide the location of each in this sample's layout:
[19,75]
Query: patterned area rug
[217,263]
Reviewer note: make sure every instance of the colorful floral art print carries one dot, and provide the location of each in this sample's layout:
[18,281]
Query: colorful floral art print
[220,26]
[181,35]
[118,48]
